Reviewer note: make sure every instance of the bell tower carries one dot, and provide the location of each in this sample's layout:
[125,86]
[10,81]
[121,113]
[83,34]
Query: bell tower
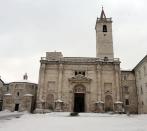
[104,40]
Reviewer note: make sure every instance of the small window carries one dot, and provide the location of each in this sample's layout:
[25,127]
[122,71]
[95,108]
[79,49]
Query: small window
[127,102]
[17,93]
[83,73]
[125,77]
[76,73]
[141,90]
[104,28]
[7,88]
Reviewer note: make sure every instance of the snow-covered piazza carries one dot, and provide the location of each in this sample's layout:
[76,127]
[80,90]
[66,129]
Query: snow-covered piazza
[64,122]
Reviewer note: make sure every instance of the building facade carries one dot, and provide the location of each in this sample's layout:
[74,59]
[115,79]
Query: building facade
[1,93]
[141,84]
[20,96]
[129,91]
[82,84]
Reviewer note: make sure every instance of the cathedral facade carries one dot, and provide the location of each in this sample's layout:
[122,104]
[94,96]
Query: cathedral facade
[87,84]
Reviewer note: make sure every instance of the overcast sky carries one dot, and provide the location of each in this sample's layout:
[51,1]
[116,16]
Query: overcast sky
[29,28]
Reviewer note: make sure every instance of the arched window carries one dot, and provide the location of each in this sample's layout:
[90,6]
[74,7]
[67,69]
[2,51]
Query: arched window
[104,28]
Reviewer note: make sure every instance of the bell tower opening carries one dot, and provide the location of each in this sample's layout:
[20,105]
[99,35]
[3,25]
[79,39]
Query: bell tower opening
[104,28]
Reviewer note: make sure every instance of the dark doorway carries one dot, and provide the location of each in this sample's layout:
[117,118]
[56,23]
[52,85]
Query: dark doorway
[1,103]
[16,107]
[79,102]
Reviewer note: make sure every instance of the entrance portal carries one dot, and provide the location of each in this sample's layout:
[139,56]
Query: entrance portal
[79,102]
[16,107]
[108,103]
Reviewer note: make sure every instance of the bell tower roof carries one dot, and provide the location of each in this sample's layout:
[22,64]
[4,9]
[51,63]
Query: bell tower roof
[103,16]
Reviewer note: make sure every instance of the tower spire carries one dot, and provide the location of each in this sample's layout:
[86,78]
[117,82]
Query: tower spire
[103,16]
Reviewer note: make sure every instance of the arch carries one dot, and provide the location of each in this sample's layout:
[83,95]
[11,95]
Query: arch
[79,89]
[108,103]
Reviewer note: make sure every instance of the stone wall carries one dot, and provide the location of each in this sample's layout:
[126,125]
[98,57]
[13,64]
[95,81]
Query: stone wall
[129,91]
[141,83]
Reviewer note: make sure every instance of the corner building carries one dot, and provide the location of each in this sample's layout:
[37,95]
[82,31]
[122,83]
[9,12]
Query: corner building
[83,84]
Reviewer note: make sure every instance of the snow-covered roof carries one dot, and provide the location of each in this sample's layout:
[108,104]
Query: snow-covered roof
[58,100]
[23,81]
[28,95]
[118,102]
[99,102]
[8,94]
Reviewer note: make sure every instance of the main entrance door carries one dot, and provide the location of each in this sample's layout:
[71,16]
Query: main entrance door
[79,102]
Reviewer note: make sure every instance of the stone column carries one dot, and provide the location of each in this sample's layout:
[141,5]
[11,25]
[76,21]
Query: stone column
[117,82]
[99,105]
[60,81]
[41,91]
[118,103]
[99,84]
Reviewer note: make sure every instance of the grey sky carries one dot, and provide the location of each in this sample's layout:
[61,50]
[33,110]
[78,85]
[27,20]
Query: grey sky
[29,28]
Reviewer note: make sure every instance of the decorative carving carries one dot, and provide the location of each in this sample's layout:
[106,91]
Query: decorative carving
[80,78]
[79,89]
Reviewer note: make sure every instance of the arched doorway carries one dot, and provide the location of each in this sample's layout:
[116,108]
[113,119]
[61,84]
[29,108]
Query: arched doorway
[108,103]
[79,98]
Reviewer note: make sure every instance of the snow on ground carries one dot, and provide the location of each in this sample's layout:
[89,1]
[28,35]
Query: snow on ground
[8,115]
[84,122]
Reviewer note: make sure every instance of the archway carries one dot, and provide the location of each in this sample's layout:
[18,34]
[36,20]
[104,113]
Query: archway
[108,103]
[79,98]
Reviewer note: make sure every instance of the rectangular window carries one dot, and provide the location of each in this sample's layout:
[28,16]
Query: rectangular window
[126,102]
[141,90]
[80,73]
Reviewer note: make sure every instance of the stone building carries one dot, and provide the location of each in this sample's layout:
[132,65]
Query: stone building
[141,83]
[129,91]
[20,96]
[1,93]
[85,84]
